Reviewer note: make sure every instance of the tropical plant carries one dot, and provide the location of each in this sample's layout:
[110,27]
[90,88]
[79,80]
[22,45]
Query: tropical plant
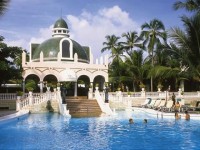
[129,93]
[3,6]
[154,34]
[136,68]
[97,85]
[9,69]
[160,86]
[30,85]
[189,5]
[142,86]
[110,44]
[188,43]
[132,41]
[19,93]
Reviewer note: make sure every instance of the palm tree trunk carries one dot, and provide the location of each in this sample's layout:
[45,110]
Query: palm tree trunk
[152,63]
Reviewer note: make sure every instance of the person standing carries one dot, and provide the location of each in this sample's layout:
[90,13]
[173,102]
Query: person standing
[174,99]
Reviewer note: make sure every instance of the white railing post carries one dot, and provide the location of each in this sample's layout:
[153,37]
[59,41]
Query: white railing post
[18,105]
[90,93]
[30,98]
[198,93]
[143,93]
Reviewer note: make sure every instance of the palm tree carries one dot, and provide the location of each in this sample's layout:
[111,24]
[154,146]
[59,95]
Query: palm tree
[111,44]
[189,5]
[188,42]
[136,68]
[116,49]
[132,41]
[3,6]
[153,33]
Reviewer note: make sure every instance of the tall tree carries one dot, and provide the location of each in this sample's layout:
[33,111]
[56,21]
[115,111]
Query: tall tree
[136,68]
[189,5]
[132,41]
[153,33]
[8,68]
[188,42]
[3,6]
[111,44]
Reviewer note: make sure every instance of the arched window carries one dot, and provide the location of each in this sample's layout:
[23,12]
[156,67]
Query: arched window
[65,49]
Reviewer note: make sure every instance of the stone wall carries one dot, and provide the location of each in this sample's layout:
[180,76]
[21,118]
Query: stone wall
[8,104]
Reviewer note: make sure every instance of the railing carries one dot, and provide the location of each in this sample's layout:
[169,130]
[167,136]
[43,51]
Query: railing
[8,96]
[120,96]
[35,99]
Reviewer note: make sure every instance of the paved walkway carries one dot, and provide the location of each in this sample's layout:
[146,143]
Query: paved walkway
[6,112]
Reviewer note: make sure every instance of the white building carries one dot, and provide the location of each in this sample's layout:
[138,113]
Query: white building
[61,59]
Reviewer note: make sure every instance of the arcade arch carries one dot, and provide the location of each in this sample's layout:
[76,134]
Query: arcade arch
[100,80]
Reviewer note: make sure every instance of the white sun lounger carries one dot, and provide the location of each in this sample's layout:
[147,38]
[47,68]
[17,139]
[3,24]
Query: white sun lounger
[146,102]
[168,106]
[161,105]
[157,103]
[151,104]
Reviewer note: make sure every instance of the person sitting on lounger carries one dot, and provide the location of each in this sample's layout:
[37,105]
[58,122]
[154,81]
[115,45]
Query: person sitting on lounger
[187,115]
[177,116]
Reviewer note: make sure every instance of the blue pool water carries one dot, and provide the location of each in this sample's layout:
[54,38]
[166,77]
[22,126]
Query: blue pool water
[53,131]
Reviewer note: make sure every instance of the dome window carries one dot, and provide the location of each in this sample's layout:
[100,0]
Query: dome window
[65,49]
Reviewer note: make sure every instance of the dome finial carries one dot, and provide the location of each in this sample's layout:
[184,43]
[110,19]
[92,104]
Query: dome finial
[60,28]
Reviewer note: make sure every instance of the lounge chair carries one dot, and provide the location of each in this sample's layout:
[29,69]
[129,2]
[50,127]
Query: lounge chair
[157,103]
[192,107]
[168,106]
[151,104]
[161,105]
[146,102]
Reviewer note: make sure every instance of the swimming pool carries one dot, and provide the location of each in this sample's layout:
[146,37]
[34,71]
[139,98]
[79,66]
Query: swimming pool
[53,131]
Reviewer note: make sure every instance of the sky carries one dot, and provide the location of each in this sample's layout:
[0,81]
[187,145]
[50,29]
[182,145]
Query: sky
[89,21]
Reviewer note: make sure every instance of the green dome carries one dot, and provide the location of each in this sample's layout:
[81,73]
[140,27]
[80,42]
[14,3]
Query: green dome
[51,47]
[60,23]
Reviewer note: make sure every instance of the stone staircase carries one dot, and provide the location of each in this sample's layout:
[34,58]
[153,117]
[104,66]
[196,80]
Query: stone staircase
[80,106]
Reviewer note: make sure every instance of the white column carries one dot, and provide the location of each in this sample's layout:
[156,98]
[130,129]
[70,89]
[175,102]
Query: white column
[41,87]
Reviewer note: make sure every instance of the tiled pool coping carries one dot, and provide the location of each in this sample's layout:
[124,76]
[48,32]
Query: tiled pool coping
[16,115]
[152,112]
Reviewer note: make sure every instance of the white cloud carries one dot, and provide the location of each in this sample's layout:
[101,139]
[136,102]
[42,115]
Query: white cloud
[18,43]
[89,29]
[44,34]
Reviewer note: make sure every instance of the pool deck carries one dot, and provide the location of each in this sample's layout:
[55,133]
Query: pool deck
[10,114]
[6,112]
[160,114]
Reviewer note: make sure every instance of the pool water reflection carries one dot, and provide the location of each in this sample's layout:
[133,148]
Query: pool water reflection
[53,131]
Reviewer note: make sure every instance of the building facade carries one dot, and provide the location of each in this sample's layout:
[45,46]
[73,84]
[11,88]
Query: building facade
[61,59]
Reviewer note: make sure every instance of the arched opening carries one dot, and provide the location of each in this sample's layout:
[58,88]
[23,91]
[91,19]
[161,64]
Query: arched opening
[50,81]
[36,79]
[100,80]
[83,83]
